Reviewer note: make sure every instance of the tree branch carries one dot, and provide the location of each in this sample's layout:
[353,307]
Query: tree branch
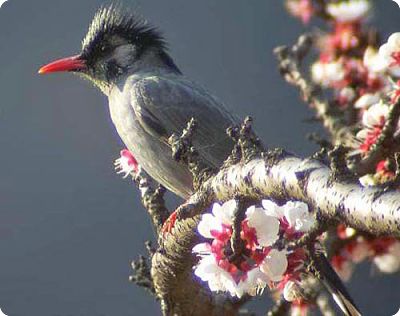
[183,151]
[280,175]
[153,199]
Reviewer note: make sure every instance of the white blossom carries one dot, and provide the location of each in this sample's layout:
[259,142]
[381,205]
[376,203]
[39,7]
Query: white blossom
[275,265]
[260,230]
[301,8]
[220,280]
[388,51]
[374,61]
[217,278]
[326,74]
[298,216]
[202,249]
[348,11]
[299,310]
[216,269]
[373,121]
[389,262]
[225,211]
[221,215]
[375,115]
[266,226]
[272,209]
[366,100]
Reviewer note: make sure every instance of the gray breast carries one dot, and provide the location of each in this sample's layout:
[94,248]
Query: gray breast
[148,109]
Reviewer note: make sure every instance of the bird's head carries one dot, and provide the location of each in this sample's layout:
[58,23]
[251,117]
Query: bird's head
[117,44]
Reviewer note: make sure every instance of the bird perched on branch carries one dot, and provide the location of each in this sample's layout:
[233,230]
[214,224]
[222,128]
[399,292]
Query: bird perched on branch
[149,97]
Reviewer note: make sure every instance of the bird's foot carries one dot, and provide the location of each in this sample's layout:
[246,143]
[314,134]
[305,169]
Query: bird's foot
[169,223]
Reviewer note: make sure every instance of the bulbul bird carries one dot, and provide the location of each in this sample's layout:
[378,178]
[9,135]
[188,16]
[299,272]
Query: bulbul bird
[150,99]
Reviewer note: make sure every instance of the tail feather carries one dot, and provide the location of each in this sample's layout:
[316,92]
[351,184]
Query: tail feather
[346,305]
[334,285]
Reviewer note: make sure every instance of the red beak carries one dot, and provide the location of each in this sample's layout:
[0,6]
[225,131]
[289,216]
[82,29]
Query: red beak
[74,63]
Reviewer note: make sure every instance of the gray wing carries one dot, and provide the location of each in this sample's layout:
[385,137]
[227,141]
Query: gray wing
[164,106]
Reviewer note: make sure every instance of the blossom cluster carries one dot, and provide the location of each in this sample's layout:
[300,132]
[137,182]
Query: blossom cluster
[259,264]
[362,79]
[383,252]
[362,76]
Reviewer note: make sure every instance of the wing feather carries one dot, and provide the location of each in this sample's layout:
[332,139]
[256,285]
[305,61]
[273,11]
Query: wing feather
[164,106]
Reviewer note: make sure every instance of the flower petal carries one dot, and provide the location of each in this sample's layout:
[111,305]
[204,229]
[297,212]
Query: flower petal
[390,261]
[367,100]
[208,223]
[348,11]
[375,114]
[266,226]
[298,216]
[228,284]
[275,265]
[272,209]
[207,268]
[225,211]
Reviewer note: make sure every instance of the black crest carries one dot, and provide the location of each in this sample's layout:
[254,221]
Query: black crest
[113,20]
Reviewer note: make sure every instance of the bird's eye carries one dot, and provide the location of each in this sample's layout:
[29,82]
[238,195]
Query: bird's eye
[103,48]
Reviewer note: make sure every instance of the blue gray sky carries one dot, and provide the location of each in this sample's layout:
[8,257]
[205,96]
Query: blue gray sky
[69,226]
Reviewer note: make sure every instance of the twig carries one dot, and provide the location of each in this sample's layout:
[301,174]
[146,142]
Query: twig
[248,141]
[247,145]
[153,199]
[183,151]
[290,60]
[338,164]
[141,275]
[238,217]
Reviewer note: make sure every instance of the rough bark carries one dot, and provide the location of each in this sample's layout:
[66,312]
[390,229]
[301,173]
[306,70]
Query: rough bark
[285,176]
[277,175]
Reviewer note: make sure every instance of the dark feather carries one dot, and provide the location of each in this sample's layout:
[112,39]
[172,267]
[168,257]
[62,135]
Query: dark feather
[115,21]
[334,285]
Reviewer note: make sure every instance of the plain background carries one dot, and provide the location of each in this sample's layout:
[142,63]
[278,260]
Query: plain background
[69,226]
